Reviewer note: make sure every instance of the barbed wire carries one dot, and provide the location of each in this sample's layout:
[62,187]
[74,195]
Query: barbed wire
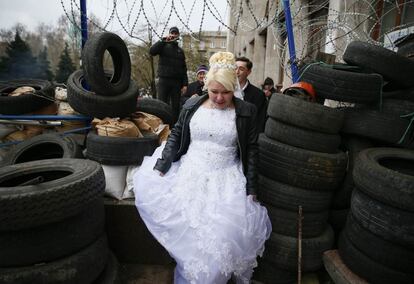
[202,18]
[220,21]
[331,29]
[334,30]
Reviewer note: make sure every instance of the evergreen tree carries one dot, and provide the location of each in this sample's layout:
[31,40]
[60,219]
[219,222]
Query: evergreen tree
[43,65]
[65,66]
[19,62]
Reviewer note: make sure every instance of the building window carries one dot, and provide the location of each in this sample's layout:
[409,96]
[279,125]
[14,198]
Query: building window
[212,45]
[223,44]
[202,45]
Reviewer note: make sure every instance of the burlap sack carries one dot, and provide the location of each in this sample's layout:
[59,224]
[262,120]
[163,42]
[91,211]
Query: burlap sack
[33,130]
[115,127]
[19,135]
[163,132]
[29,132]
[146,121]
[21,91]
[6,129]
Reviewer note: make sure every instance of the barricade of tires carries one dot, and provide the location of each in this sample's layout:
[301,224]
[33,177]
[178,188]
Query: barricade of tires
[341,199]
[98,93]
[378,82]
[42,95]
[24,97]
[300,164]
[111,94]
[377,243]
[52,222]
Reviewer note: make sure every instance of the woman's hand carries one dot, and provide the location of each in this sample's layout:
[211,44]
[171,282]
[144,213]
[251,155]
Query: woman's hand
[160,173]
[254,197]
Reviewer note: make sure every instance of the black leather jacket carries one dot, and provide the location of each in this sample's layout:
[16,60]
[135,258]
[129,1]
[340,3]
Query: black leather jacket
[171,61]
[179,139]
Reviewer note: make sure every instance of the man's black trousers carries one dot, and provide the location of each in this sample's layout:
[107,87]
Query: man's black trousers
[169,91]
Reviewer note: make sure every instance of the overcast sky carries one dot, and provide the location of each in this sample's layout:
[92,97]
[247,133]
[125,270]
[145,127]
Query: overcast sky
[32,12]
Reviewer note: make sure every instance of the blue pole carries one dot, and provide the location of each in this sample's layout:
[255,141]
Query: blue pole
[291,41]
[84,23]
[45,117]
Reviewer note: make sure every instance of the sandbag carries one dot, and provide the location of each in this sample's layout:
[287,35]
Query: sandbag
[115,127]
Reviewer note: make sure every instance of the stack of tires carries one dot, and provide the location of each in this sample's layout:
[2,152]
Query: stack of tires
[128,151]
[378,81]
[378,241]
[42,96]
[299,165]
[52,223]
[95,92]
[378,184]
[24,97]
[341,199]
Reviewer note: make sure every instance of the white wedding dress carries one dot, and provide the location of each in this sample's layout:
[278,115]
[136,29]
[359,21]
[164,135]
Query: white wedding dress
[199,210]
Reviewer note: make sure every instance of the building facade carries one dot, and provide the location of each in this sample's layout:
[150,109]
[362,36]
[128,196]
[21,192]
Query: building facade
[209,42]
[322,29]
[198,48]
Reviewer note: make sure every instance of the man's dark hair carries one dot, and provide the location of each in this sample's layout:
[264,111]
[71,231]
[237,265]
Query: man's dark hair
[249,64]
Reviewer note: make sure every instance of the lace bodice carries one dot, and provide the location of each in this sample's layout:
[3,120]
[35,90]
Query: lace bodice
[214,136]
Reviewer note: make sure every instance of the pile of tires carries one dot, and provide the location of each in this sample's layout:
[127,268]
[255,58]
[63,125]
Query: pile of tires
[378,81]
[24,97]
[377,189]
[42,96]
[341,199]
[300,164]
[95,92]
[128,151]
[377,243]
[52,222]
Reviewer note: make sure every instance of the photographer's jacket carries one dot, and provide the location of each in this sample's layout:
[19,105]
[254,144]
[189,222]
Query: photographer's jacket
[179,140]
[171,60]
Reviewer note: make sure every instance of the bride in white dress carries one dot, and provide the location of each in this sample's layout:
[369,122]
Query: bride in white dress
[198,200]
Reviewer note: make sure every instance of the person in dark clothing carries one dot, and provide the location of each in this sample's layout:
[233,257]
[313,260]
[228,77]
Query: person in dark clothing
[249,92]
[196,87]
[268,88]
[172,70]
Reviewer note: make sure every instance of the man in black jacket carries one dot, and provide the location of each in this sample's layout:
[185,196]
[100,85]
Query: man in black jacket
[249,92]
[172,70]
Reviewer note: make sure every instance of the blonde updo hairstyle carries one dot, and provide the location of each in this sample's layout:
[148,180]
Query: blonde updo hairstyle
[222,70]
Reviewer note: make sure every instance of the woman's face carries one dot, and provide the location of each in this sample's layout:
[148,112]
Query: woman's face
[219,96]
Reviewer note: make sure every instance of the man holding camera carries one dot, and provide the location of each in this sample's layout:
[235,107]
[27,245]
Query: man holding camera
[172,70]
